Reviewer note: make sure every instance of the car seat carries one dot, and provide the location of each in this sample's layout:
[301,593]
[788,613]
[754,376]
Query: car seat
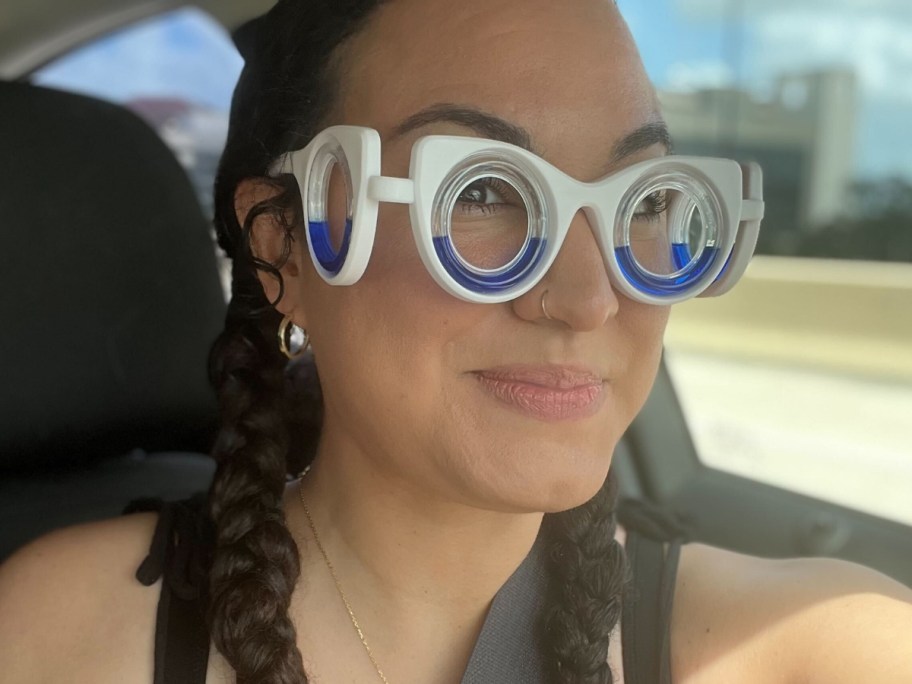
[110,301]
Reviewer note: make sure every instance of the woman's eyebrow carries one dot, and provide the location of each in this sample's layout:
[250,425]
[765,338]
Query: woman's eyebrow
[486,125]
[653,133]
[495,128]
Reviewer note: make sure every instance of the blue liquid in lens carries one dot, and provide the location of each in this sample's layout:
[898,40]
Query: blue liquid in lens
[329,259]
[531,256]
[725,268]
[681,255]
[664,286]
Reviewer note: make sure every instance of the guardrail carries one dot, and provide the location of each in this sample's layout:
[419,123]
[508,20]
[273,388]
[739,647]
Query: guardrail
[846,316]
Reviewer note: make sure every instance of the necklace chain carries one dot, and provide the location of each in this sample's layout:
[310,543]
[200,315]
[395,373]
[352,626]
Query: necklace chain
[332,572]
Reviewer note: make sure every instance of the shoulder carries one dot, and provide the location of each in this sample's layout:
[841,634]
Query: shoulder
[65,597]
[742,618]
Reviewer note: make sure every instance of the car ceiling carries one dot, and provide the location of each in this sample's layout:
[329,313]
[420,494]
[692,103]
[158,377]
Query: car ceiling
[33,32]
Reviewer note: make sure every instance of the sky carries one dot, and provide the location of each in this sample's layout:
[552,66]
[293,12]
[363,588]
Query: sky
[183,55]
[686,45]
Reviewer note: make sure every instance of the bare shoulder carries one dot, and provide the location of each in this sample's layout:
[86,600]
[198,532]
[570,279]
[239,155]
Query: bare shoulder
[70,595]
[746,619]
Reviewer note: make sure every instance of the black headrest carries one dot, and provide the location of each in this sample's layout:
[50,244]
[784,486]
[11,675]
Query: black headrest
[109,289]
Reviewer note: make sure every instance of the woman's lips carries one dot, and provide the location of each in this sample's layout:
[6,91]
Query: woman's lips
[548,393]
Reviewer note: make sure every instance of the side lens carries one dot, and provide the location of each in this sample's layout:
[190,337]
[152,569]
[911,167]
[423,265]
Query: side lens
[667,232]
[489,223]
[329,207]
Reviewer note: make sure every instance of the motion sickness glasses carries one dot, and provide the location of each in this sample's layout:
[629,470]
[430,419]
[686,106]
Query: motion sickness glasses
[489,218]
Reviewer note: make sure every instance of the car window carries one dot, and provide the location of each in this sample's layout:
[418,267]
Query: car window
[800,377]
[177,71]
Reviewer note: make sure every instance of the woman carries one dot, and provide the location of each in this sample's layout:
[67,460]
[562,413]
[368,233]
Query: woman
[463,432]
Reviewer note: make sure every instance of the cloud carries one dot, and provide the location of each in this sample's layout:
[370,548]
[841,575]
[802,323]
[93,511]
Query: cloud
[694,75]
[877,49]
[872,38]
[184,55]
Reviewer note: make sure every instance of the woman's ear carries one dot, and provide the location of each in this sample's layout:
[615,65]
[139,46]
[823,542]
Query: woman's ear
[271,242]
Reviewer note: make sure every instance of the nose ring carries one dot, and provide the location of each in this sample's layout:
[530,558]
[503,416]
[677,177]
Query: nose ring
[543,307]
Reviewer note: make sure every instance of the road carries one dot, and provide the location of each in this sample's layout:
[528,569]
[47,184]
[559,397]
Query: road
[843,438]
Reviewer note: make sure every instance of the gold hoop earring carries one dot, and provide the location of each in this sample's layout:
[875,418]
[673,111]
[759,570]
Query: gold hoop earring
[294,342]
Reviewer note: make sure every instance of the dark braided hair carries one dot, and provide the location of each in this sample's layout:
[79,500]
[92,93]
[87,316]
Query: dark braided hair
[270,426]
[588,575]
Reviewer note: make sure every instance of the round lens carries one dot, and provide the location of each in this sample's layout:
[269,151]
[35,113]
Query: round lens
[329,207]
[489,223]
[666,232]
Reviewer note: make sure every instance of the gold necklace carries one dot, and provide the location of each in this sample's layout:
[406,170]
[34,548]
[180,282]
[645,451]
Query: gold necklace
[332,572]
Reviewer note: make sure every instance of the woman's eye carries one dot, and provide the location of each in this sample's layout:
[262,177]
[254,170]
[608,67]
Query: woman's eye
[476,193]
[484,193]
[652,207]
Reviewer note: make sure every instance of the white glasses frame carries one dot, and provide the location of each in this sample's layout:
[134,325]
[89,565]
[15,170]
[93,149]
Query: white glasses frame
[734,192]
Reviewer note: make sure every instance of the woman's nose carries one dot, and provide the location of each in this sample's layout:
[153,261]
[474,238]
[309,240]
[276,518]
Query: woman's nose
[576,289]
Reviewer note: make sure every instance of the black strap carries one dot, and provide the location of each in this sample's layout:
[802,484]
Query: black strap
[178,553]
[669,576]
[647,610]
[181,641]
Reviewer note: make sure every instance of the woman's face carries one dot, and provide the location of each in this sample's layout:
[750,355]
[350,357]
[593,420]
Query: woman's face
[407,368]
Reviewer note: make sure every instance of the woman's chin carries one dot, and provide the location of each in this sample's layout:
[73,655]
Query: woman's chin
[544,481]
[572,493]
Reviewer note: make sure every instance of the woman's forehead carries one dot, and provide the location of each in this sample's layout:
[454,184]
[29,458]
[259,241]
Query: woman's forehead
[546,66]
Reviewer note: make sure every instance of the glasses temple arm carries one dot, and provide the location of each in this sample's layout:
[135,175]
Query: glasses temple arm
[752,209]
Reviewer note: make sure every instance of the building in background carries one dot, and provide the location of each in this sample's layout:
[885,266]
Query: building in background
[803,137]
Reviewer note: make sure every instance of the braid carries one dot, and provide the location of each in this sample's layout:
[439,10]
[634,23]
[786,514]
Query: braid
[588,571]
[255,565]
[285,91]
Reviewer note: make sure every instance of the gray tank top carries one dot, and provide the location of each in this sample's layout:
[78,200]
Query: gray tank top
[506,651]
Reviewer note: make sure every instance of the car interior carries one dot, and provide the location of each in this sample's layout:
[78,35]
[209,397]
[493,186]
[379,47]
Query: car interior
[111,299]
[118,299]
